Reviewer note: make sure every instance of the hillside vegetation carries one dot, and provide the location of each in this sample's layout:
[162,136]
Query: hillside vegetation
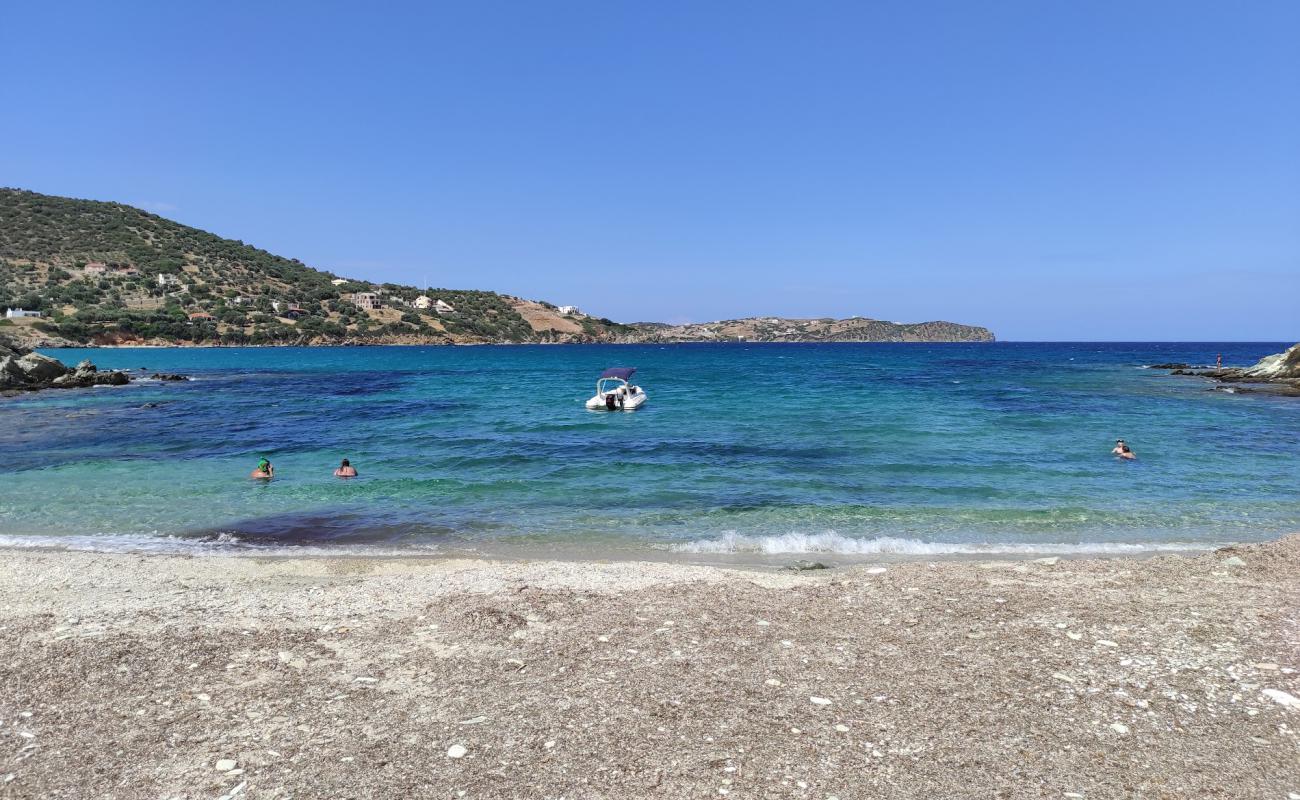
[107,273]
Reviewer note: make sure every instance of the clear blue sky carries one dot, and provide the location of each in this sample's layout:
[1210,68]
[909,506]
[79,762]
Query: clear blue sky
[1053,170]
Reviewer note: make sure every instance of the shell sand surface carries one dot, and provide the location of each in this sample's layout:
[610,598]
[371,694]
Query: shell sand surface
[131,676]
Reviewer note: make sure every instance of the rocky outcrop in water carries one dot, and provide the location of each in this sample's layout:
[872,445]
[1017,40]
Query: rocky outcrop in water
[23,370]
[1277,374]
[1279,367]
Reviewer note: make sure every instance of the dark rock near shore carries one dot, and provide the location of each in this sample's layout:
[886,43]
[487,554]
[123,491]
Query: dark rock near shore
[23,370]
[164,376]
[1169,366]
[802,565]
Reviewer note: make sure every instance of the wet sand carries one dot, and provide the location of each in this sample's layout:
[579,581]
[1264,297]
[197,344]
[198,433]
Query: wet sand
[162,676]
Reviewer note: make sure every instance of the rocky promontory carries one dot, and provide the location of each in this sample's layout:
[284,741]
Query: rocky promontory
[825,329]
[23,370]
[1275,374]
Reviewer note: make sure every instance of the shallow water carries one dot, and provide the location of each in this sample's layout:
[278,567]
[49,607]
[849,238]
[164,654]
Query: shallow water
[845,448]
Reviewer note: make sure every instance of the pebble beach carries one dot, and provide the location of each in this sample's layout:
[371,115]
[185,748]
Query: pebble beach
[130,676]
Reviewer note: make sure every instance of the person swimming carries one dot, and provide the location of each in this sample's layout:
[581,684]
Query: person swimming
[265,470]
[345,470]
[1122,450]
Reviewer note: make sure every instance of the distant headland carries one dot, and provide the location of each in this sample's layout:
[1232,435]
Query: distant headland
[86,272]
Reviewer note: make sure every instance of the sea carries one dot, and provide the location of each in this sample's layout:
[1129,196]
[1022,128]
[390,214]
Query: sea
[744,451]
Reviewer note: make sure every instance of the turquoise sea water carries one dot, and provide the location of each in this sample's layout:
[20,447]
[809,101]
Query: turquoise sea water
[845,448]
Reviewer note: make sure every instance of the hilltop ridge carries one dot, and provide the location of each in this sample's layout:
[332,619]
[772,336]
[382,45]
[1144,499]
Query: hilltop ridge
[106,273]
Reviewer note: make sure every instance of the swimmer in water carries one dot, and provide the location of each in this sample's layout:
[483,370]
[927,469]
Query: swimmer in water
[1122,450]
[345,470]
[264,470]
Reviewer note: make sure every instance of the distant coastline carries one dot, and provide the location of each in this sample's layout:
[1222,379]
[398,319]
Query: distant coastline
[79,273]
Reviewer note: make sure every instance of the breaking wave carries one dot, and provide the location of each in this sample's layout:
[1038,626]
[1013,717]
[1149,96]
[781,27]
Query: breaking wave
[832,542]
[223,544]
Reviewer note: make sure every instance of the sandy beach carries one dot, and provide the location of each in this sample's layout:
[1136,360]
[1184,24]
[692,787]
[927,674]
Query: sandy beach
[158,676]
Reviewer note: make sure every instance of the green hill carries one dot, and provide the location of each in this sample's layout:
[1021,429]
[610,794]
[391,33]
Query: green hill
[109,273]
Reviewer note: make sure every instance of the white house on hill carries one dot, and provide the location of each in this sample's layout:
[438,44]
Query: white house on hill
[19,313]
[443,307]
[367,300]
[569,310]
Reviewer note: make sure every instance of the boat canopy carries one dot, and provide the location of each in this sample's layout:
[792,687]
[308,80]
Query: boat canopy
[622,373]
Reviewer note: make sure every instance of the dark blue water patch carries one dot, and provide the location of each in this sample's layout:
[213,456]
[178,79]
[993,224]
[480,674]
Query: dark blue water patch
[335,526]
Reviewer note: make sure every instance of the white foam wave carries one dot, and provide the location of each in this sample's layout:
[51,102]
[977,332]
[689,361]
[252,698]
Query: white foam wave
[226,544]
[832,542]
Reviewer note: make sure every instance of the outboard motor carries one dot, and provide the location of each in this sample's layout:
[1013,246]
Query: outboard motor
[610,401]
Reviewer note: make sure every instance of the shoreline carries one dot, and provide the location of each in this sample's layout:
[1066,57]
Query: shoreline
[604,551]
[146,676]
[178,346]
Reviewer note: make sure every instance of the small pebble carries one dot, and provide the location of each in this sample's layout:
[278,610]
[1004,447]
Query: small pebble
[456,751]
[819,701]
[226,764]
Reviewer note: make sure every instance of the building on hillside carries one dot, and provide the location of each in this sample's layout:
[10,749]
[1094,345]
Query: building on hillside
[20,313]
[423,302]
[240,300]
[294,311]
[201,316]
[95,268]
[367,300]
[128,271]
[443,307]
[569,310]
[339,281]
[165,280]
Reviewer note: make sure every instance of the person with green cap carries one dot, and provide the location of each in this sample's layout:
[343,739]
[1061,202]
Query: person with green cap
[264,469]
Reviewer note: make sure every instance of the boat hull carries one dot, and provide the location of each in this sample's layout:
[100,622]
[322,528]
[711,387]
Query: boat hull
[632,403]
